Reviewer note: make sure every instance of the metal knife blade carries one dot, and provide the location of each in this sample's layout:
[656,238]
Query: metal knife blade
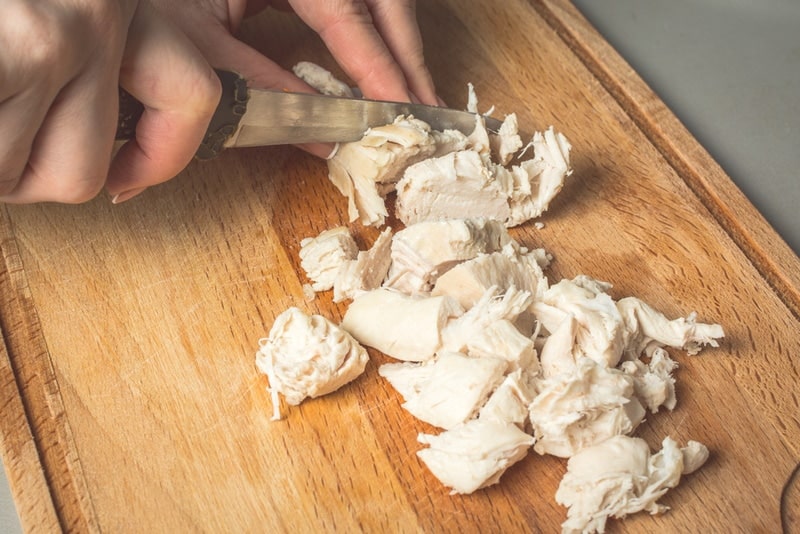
[257,117]
[274,117]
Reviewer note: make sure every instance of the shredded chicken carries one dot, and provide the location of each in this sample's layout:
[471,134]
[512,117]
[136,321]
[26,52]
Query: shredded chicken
[423,252]
[619,477]
[490,350]
[323,256]
[512,266]
[474,455]
[447,391]
[307,356]
[456,185]
[321,79]
[366,170]
[580,409]
[367,271]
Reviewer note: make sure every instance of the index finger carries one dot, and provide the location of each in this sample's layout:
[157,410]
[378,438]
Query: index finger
[350,34]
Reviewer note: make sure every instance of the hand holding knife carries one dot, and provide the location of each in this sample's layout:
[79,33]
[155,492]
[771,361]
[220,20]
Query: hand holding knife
[258,117]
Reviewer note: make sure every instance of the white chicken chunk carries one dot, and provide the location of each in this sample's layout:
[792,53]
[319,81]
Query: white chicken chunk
[401,326]
[474,455]
[487,329]
[646,326]
[454,186]
[366,170]
[468,184]
[448,390]
[323,256]
[307,356]
[619,477]
[653,383]
[533,184]
[599,329]
[321,79]
[367,271]
[422,252]
[557,352]
[513,266]
[509,402]
[507,142]
[580,409]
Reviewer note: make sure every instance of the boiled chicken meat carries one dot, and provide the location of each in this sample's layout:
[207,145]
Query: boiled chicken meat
[322,257]
[365,171]
[366,271]
[423,252]
[321,79]
[474,455]
[587,406]
[307,356]
[448,390]
[619,477]
[404,327]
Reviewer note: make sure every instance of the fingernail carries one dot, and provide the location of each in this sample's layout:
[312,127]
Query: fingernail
[126,195]
[333,152]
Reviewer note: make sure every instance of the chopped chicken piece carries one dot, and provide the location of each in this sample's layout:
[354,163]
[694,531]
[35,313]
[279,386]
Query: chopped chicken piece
[653,383]
[619,477]
[449,390]
[448,141]
[509,402]
[501,339]
[422,252]
[321,79]
[467,184]
[366,170]
[307,356]
[456,185]
[695,454]
[580,409]
[599,332]
[403,327]
[557,352]
[478,141]
[323,256]
[538,180]
[507,142]
[513,266]
[487,329]
[474,455]
[367,271]
[645,326]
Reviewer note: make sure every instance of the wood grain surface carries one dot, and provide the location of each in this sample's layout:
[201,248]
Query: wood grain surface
[130,400]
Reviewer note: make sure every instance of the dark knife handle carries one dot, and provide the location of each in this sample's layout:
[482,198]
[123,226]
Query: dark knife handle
[230,110]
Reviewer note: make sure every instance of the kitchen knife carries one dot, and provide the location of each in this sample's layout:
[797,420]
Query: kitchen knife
[257,117]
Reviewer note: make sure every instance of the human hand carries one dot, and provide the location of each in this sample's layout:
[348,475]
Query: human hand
[376,42]
[61,63]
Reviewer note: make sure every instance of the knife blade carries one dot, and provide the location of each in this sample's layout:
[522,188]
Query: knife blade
[259,117]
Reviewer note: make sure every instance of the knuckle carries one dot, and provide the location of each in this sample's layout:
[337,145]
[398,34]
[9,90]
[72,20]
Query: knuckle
[78,191]
[207,92]
[40,34]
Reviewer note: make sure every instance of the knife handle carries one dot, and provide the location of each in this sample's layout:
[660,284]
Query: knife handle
[224,123]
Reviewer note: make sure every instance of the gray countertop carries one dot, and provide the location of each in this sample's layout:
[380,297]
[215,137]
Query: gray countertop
[730,71]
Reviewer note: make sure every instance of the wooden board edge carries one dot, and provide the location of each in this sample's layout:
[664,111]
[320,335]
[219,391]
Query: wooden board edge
[36,433]
[775,261]
[21,459]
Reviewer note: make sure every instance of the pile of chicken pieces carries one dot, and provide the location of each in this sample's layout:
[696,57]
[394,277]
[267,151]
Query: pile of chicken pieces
[487,349]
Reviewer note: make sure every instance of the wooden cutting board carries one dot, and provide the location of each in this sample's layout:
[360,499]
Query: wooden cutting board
[130,400]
